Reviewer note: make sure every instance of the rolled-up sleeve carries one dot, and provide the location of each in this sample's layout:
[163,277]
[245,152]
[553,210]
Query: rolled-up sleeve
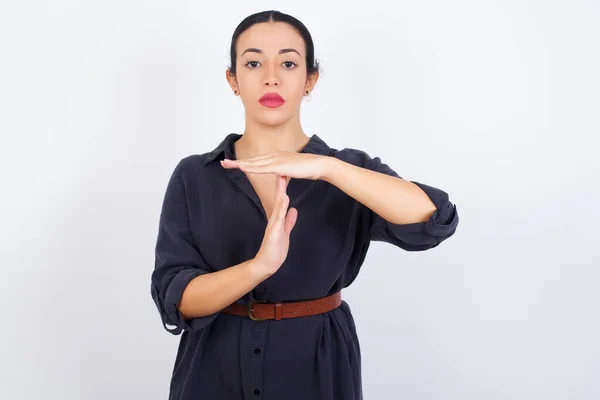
[177,260]
[416,236]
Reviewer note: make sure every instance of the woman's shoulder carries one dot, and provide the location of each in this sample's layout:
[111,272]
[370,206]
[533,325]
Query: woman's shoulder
[355,156]
[190,164]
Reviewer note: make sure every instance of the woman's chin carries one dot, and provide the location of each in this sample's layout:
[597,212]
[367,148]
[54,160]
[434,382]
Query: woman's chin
[273,118]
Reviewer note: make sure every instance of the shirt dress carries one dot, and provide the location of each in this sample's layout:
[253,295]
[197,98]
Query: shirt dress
[212,219]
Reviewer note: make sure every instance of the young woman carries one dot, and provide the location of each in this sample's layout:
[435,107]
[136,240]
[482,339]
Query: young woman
[258,237]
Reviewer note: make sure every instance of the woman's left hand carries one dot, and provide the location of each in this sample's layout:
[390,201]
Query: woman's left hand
[291,164]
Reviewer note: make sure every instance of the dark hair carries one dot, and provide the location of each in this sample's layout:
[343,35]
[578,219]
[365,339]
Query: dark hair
[312,66]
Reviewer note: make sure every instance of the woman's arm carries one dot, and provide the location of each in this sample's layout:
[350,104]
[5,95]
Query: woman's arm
[396,200]
[408,214]
[189,294]
[208,293]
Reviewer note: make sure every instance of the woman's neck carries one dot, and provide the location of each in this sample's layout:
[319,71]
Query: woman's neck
[259,140]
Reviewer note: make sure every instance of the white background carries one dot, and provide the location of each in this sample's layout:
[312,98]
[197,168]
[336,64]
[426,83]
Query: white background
[495,102]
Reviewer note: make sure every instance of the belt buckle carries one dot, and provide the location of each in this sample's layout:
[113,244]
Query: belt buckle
[249,310]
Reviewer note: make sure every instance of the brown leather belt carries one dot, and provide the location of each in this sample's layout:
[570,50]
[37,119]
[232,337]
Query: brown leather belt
[259,311]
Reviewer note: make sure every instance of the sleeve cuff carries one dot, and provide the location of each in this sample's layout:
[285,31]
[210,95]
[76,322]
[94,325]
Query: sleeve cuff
[172,319]
[445,219]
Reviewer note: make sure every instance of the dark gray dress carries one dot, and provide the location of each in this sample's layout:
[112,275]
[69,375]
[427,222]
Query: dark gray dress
[212,219]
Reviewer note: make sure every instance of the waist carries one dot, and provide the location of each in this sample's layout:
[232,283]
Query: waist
[260,311]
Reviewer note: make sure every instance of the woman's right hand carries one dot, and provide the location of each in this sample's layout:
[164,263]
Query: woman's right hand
[274,248]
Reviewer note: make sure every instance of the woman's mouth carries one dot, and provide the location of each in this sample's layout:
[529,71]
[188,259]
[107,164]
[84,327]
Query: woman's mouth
[271,100]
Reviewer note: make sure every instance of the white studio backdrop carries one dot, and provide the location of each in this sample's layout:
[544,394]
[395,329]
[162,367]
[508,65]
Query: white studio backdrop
[495,102]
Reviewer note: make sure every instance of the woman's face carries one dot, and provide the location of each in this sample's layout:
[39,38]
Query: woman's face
[271,57]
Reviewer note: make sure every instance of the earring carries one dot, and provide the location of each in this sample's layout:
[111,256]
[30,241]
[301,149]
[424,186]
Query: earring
[236,92]
[307,92]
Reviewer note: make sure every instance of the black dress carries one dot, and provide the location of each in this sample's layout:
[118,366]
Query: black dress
[212,219]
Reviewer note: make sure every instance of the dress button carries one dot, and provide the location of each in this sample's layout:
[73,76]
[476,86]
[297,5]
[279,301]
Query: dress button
[257,391]
[257,351]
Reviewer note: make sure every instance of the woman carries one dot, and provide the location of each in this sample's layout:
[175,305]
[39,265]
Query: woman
[258,237]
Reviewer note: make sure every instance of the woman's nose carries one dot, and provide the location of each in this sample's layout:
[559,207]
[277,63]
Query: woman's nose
[271,78]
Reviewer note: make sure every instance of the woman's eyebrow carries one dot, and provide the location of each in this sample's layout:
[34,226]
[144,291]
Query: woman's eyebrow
[282,51]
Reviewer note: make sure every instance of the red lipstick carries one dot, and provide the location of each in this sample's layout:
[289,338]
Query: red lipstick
[271,100]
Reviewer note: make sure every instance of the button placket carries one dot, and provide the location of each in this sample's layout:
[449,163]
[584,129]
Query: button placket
[257,343]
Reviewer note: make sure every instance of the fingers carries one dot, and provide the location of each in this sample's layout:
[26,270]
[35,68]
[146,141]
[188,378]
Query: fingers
[283,183]
[290,220]
[255,163]
[283,198]
[281,201]
[248,164]
[263,157]
[281,217]
[257,169]
[260,160]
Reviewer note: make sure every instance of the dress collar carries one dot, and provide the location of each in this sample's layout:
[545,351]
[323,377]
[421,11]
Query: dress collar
[315,145]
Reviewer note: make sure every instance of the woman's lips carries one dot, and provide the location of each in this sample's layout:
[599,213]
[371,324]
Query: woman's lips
[271,100]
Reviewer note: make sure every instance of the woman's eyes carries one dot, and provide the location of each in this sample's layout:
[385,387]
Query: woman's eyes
[285,62]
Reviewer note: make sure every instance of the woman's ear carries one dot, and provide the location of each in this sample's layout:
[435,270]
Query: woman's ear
[231,81]
[311,81]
